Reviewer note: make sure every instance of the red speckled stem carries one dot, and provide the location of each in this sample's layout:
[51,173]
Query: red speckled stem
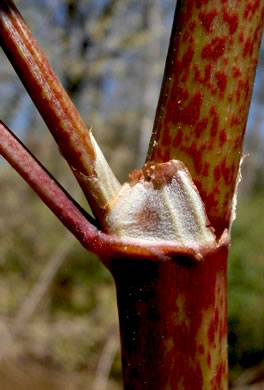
[173,315]
[173,323]
[172,308]
[206,91]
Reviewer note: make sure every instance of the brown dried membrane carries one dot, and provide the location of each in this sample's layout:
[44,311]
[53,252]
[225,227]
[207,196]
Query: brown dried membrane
[160,204]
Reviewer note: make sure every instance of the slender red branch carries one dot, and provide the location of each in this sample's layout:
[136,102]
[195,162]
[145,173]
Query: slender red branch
[43,86]
[48,189]
[63,120]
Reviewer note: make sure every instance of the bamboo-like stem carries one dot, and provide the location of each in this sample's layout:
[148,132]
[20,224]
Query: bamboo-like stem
[172,303]
[173,323]
[205,96]
[173,316]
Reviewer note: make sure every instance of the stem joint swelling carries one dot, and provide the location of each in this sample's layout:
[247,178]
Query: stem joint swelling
[162,206]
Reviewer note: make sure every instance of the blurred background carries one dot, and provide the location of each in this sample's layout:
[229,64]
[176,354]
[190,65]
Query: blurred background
[58,316]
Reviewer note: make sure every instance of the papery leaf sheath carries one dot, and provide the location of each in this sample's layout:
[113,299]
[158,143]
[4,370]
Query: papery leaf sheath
[205,97]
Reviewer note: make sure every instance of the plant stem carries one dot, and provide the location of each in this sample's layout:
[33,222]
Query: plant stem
[74,218]
[172,303]
[205,96]
[173,323]
[49,190]
[75,141]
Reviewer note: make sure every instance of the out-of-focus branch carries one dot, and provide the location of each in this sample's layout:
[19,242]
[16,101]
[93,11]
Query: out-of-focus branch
[32,300]
[106,361]
[252,378]
[42,284]
[153,25]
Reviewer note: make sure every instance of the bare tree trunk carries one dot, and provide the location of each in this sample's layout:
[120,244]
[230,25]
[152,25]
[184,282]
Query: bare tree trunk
[151,88]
